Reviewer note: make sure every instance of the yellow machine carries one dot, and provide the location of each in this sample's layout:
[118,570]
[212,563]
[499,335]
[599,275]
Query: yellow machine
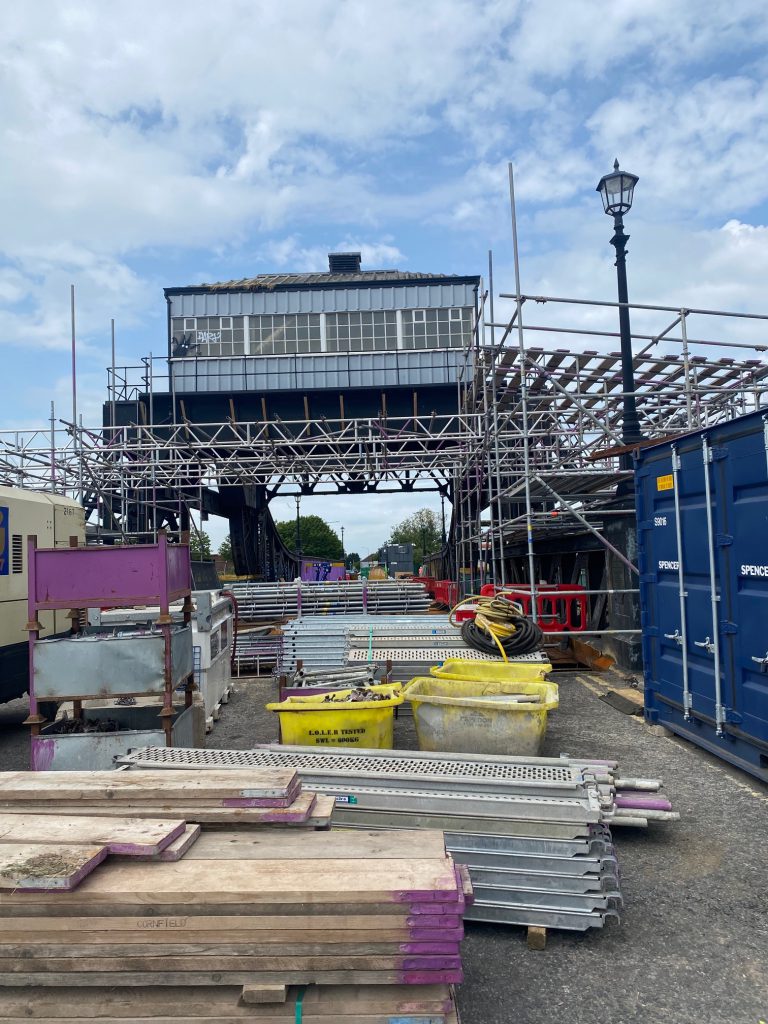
[53,519]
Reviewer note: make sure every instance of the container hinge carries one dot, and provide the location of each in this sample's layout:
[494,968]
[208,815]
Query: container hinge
[723,540]
[733,716]
[652,631]
[649,577]
[728,628]
[676,460]
[719,453]
[645,524]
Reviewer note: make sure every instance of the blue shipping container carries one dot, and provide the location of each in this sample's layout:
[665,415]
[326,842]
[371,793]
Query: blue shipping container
[702,511]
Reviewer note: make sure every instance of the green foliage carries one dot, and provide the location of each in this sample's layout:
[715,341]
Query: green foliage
[225,549]
[352,561]
[200,546]
[318,540]
[422,529]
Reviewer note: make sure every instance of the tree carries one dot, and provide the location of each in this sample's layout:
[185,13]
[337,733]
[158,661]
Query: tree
[200,546]
[352,561]
[318,540]
[422,529]
[225,552]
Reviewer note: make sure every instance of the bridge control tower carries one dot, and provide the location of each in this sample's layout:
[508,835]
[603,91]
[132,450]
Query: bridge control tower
[317,358]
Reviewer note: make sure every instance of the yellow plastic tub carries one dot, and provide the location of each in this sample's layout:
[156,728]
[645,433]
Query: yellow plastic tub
[472,716]
[311,722]
[492,671]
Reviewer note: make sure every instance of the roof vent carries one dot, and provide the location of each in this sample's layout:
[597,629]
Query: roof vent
[344,262]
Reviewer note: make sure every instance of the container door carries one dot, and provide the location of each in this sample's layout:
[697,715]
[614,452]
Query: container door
[743,477]
[681,638]
[704,645]
[658,557]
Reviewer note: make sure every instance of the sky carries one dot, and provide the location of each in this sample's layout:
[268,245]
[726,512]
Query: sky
[147,145]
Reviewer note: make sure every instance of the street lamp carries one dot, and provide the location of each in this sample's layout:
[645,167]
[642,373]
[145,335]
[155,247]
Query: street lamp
[297,499]
[616,191]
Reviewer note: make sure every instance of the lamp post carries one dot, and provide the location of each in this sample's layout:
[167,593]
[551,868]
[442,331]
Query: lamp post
[297,499]
[616,191]
[342,546]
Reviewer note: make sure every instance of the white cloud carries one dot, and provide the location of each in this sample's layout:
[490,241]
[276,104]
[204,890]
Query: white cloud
[290,254]
[170,127]
[700,150]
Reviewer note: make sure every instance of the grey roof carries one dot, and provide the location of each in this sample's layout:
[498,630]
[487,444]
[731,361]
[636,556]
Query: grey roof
[282,282]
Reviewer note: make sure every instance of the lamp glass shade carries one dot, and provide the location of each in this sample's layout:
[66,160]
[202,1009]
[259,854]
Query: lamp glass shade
[616,190]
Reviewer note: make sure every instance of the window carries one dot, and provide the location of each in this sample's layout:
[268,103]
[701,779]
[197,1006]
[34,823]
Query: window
[437,328]
[17,553]
[208,336]
[285,334]
[361,332]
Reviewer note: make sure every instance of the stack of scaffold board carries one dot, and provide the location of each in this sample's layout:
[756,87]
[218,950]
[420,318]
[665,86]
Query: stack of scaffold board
[228,1005]
[363,1004]
[262,797]
[533,832]
[88,904]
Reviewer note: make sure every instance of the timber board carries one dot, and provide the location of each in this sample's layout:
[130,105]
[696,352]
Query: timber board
[253,881]
[256,783]
[130,836]
[121,1003]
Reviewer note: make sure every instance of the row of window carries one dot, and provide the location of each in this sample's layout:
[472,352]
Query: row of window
[302,333]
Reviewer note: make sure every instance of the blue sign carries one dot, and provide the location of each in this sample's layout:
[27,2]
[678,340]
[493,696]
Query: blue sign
[4,540]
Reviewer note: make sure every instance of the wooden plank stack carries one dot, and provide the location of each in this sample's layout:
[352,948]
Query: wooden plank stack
[248,796]
[428,1004]
[246,908]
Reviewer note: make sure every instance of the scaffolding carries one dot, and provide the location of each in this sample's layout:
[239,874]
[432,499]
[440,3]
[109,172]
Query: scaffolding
[532,453]
[547,460]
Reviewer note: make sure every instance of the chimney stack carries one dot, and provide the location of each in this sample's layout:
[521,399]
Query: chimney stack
[344,262]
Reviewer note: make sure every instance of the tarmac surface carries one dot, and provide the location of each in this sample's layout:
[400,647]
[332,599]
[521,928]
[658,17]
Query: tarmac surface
[692,946]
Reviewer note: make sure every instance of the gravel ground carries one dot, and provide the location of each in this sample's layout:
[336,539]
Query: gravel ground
[692,946]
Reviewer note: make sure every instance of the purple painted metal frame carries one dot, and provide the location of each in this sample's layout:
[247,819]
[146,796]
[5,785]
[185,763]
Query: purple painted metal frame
[116,577]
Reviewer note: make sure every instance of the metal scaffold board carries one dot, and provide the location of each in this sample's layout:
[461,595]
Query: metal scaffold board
[501,895]
[482,910]
[533,862]
[459,823]
[552,773]
[477,805]
[603,884]
[436,655]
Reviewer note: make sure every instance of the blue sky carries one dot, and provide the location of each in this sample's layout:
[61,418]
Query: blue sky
[147,145]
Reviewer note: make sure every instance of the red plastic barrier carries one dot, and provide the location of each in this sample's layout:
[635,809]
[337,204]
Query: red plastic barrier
[560,606]
[446,592]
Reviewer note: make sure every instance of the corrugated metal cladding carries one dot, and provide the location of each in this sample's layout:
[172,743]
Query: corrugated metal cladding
[702,506]
[325,300]
[337,372]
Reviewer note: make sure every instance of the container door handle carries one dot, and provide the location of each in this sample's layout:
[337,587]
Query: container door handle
[762,662]
[674,636]
[706,644]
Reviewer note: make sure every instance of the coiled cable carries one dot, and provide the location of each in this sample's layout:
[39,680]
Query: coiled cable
[499,626]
